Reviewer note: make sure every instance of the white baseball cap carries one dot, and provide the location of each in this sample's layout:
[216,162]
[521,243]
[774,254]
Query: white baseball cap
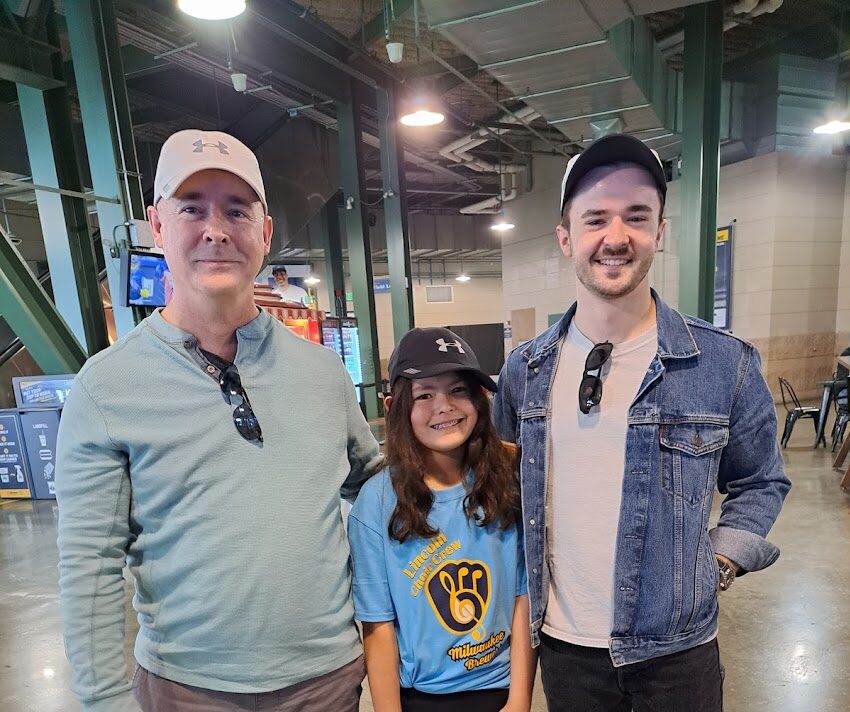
[186,152]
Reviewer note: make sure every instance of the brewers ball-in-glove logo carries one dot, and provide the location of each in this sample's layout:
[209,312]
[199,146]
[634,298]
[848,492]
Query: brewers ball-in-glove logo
[459,593]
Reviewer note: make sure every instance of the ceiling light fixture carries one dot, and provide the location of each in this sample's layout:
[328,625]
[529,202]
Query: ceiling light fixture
[422,117]
[832,127]
[502,226]
[311,280]
[463,277]
[212,9]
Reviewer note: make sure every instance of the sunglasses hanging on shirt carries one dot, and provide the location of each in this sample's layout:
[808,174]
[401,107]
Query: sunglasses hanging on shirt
[243,416]
[590,390]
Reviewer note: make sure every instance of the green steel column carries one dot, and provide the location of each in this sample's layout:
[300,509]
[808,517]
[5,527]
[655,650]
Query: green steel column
[703,64]
[33,317]
[395,214]
[108,130]
[64,221]
[359,245]
[332,244]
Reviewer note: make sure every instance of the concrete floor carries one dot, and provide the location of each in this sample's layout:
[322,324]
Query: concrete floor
[784,632]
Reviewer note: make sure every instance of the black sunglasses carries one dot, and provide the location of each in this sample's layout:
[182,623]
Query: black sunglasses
[243,416]
[590,390]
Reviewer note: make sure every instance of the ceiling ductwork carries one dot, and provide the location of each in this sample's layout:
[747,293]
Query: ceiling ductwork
[576,64]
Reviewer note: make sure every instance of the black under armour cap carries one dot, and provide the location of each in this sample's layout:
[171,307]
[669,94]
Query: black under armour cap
[432,351]
[615,148]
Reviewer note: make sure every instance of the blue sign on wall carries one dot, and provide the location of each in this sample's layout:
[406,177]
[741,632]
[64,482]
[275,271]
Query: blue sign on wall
[381,285]
[14,479]
[40,428]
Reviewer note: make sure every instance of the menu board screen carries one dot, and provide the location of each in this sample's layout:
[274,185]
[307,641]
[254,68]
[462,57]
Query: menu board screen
[42,391]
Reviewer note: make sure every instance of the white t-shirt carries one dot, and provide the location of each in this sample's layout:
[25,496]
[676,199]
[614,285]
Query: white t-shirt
[585,487]
[292,293]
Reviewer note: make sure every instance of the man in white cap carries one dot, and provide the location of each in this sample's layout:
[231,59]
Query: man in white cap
[617,484]
[286,291]
[176,459]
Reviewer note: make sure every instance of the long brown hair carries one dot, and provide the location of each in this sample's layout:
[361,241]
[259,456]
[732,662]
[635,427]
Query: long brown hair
[493,497]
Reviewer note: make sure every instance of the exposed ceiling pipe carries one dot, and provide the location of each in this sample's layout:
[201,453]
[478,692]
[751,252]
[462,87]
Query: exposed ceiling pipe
[671,44]
[766,6]
[458,152]
[491,206]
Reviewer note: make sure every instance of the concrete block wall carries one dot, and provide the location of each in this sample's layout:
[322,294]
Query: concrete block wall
[535,273]
[808,212]
[665,267]
[842,315]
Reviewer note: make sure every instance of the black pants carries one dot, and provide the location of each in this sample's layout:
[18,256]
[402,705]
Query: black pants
[580,679]
[476,701]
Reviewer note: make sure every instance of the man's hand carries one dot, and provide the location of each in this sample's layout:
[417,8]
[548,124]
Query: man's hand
[723,560]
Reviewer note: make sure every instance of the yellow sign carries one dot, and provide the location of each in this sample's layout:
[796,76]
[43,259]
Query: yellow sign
[15,494]
[723,235]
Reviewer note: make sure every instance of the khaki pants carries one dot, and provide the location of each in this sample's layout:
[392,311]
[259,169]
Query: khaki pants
[336,691]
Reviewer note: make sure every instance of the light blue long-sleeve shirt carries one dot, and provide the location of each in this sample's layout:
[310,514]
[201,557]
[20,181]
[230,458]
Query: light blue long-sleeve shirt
[237,549]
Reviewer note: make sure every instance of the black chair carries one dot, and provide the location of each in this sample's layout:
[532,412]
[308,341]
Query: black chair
[842,411]
[795,413]
[842,372]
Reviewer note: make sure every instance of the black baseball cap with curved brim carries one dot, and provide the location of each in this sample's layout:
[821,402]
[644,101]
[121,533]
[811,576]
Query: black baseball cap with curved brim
[615,148]
[433,351]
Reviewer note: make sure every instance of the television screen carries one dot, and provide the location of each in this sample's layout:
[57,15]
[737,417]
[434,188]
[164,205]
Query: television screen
[149,282]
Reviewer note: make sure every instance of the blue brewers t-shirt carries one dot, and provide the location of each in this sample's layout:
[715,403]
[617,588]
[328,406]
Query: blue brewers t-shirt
[451,597]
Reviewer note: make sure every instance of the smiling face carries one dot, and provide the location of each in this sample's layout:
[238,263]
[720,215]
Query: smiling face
[281,279]
[613,229]
[443,415]
[214,233]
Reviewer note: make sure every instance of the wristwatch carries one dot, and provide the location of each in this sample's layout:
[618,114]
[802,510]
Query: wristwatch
[727,575]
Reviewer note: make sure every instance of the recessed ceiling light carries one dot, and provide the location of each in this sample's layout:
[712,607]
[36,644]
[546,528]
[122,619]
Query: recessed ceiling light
[212,9]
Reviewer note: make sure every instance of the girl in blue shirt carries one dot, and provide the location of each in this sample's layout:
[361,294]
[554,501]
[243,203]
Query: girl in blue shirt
[439,571]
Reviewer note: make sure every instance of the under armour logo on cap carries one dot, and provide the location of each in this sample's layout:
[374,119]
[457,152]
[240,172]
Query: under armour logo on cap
[415,357]
[444,345]
[200,146]
[190,151]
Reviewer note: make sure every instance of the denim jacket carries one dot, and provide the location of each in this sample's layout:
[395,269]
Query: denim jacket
[703,417]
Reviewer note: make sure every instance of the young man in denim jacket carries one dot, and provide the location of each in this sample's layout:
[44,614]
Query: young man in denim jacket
[617,484]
